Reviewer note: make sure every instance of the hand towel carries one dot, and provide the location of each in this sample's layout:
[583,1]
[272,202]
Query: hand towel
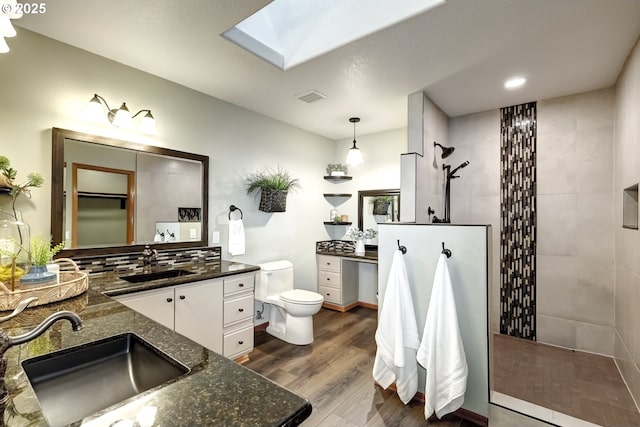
[397,335]
[236,237]
[441,351]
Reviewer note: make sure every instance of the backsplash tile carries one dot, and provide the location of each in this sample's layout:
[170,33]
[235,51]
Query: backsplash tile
[131,262]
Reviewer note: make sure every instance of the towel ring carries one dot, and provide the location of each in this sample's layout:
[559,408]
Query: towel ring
[234,208]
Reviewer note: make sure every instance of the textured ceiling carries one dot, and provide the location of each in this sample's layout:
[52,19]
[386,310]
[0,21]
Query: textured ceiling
[459,53]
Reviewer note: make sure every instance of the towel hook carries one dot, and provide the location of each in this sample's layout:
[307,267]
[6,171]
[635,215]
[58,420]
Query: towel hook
[402,249]
[234,208]
[446,251]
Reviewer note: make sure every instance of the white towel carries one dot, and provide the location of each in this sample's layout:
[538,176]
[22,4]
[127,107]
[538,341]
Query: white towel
[236,237]
[397,335]
[441,351]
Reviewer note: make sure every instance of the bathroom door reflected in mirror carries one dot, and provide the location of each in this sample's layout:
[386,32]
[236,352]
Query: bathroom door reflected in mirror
[377,206]
[113,196]
[102,206]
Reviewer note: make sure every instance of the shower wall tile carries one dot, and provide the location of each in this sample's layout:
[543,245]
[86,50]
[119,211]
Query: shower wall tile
[594,159]
[557,167]
[595,291]
[557,116]
[595,109]
[595,224]
[556,331]
[595,338]
[557,286]
[557,226]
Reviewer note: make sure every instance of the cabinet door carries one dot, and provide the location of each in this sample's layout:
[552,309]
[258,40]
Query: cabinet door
[156,304]
[198,313]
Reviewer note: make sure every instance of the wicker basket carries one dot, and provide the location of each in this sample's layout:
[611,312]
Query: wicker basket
[73,282]
[273,200]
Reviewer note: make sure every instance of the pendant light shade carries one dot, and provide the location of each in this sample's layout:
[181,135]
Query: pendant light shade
[354,157]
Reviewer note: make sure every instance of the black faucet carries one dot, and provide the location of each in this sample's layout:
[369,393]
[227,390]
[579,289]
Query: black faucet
[6,341]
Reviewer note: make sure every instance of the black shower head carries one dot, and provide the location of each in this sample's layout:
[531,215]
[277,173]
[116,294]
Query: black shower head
[457,169]
[446,151]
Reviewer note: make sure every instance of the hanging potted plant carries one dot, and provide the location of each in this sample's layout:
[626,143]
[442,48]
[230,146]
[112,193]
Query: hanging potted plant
[273,186]
[381,205]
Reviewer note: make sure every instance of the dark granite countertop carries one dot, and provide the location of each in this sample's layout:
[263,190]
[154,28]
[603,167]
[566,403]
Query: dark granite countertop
[368,254]
[216,391]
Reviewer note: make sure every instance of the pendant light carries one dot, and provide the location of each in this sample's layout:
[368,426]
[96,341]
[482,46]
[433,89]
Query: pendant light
[354,157]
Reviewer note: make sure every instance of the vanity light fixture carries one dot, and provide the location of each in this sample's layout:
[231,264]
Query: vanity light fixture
[354,157]
[121,117]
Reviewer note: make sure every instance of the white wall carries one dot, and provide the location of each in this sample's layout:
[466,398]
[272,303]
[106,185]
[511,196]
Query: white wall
[627,242]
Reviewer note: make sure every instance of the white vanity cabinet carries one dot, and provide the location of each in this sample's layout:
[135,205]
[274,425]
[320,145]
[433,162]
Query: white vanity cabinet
[238,315]
[336,284]
[194,310]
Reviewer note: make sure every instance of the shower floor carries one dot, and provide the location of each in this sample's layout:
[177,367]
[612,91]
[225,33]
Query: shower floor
[582,385]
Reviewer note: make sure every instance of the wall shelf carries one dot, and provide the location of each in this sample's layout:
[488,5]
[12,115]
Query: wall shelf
[337,194]
[338,178]
[336,223]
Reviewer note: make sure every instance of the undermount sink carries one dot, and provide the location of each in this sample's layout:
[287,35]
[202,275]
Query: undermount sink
[146,277]
[73,383]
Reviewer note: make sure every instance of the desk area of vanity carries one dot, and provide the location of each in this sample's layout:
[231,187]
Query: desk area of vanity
[345,279]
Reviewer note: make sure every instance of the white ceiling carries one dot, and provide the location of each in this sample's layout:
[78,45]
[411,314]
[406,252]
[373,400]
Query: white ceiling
[459,53]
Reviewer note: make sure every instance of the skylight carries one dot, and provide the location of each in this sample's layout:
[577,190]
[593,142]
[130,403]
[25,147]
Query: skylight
[287,33]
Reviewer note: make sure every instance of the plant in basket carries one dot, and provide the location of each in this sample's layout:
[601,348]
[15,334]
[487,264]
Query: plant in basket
[273,186]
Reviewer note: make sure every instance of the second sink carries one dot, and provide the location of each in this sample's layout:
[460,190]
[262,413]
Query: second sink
[146,277]
[73,383]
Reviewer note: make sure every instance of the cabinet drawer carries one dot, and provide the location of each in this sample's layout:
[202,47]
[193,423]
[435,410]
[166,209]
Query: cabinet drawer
[331,295]
[238,284]
[238,309]
[238,342]
[328,278]
[329,263]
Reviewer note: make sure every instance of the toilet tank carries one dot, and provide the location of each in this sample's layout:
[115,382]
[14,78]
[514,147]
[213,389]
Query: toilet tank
[275,277]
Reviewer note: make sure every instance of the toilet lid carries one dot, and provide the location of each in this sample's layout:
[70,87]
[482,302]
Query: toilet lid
[301,296]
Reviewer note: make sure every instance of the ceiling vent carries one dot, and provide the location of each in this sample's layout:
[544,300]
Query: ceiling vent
[311,96]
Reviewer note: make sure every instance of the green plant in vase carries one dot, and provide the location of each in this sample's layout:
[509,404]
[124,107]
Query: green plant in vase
[14,232]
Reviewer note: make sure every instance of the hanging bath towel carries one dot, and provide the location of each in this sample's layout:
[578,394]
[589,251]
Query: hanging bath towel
[397,335]
[441,351]
[236,237]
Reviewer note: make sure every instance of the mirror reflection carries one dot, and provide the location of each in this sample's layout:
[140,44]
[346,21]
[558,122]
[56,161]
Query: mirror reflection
[377,206]
[110,193]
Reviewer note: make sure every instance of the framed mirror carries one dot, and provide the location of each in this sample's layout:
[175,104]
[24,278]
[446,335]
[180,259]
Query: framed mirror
[377,206]
[113,196]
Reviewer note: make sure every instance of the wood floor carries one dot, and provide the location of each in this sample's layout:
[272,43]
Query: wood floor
[334,373]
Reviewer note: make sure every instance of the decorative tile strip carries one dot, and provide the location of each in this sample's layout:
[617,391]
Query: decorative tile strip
[518,134]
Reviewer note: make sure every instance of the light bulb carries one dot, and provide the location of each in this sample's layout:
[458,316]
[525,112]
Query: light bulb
[6,29]
[4,47]
[149,124]
[122,117]
[354,157]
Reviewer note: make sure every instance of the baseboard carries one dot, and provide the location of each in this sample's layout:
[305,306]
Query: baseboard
[465,414]
[346,308]
[261,327]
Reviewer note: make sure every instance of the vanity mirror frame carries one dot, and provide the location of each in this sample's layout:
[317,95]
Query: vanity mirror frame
[362,194]
[57,190]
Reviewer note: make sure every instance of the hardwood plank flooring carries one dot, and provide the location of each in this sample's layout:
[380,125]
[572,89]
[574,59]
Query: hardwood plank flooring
[335,374]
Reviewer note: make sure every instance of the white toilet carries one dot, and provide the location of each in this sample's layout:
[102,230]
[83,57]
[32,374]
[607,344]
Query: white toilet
[291,310]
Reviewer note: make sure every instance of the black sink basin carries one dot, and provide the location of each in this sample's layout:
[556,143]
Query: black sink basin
[146,277]
[73,383]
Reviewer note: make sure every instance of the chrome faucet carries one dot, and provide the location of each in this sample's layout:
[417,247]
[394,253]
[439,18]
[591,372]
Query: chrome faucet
[6,341]
[148,256]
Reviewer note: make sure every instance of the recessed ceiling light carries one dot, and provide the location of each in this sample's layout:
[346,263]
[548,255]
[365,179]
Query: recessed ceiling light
[515,82]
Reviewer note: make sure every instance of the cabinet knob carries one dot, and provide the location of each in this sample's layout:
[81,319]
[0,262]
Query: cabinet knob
[241,310]
[240,342]
[169,299]
[241,285]
[328,293]
[182,297]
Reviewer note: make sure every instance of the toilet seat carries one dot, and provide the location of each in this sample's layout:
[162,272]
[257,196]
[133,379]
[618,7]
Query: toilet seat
[300,296]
